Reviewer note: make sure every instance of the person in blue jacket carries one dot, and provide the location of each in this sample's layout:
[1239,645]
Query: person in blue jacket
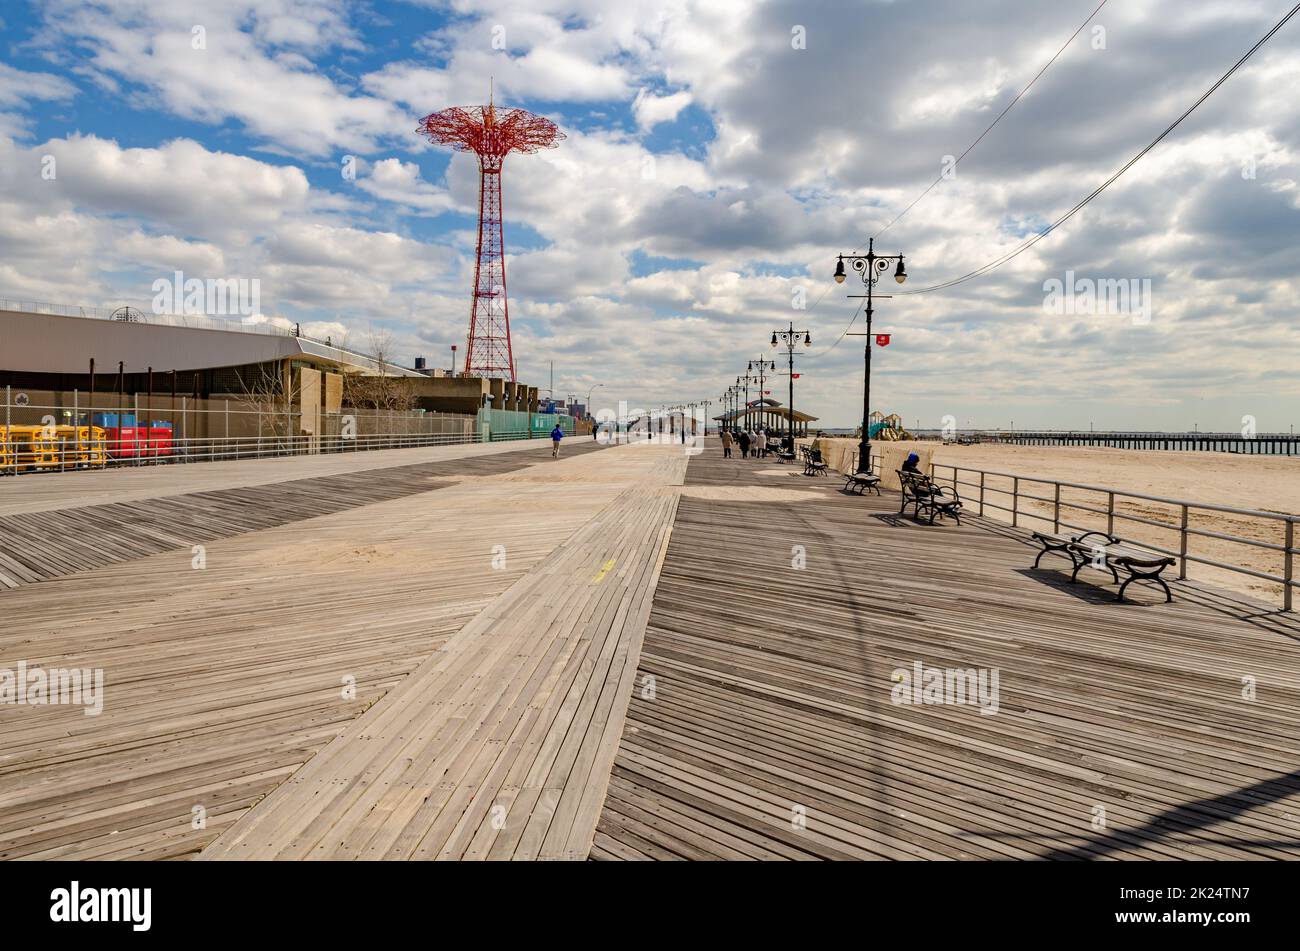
[556,435]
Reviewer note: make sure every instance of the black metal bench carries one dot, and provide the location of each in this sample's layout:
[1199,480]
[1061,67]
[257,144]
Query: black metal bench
[927,496]
[1106,553]
[861,483]
[813,464]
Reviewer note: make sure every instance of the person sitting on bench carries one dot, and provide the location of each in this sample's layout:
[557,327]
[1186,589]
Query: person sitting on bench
[911,463]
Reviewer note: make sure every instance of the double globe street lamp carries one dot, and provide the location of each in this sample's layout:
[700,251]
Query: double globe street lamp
[789,338]
[871,266]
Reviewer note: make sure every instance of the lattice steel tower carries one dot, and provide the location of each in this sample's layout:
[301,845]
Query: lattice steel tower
[491,135]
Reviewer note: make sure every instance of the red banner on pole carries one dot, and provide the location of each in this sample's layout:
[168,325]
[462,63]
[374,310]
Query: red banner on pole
[882,340]
[795,376]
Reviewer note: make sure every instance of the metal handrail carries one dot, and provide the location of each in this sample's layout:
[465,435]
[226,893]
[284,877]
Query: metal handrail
[1211,506]
[1111,512]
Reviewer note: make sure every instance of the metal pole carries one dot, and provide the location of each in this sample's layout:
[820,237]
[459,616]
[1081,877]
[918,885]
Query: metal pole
[1056,511]
[1288,566]
[864,447]
[1015,501]
[1182,548]
[789,407]
[1110,514]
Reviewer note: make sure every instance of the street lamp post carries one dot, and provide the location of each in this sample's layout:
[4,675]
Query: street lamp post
[745,380]
[870,266]
[789,337]
[762,365]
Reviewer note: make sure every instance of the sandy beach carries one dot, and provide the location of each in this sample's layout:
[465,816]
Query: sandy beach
[1267,483]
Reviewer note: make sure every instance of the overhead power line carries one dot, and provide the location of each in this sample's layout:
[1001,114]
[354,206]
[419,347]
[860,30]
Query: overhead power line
[1010,106]
[1030,242]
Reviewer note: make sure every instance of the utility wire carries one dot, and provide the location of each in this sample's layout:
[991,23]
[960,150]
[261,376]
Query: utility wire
[1009,107]
[1020,95]
[1030,242]
[843,334]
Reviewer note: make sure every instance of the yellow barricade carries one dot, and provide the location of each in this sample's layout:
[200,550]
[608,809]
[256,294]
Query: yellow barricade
[81,446]
[35,447]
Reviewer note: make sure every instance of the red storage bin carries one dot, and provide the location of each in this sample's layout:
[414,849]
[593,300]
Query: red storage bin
[160,441]
[125,442]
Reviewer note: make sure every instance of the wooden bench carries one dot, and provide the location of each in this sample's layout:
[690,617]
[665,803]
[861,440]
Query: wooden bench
[861,482]
[813,465]
[925,495]
[1106,553]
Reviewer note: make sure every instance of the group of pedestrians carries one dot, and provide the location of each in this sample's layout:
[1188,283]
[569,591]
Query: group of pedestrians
[750,441]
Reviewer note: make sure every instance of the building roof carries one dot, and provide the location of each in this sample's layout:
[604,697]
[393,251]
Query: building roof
[769,409]
[36,338]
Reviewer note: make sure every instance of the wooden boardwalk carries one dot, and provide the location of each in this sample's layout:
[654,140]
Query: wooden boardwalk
[84,487]
[496,655]
[1121,732]
[44,544]
[500,744]
[222,683]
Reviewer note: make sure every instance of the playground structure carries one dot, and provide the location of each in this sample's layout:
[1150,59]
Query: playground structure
[491,135]
[886,428]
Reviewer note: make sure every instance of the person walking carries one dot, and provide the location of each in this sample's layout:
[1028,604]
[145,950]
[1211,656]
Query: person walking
[556,435]
[744,444]
[726,444]
[760,444]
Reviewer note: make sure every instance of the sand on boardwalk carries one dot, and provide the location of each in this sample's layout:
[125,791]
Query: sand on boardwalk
[1267,483]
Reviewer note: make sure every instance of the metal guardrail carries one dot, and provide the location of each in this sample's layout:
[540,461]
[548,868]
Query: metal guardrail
[76,433]
[982,489]
[64,452]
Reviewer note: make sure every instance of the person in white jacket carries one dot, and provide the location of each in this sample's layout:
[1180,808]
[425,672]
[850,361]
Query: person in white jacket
[760,444]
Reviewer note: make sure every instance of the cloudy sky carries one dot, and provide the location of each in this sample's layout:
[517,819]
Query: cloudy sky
[718,156]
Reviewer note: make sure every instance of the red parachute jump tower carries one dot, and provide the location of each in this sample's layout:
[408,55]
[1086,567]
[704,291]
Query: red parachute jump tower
[491,134]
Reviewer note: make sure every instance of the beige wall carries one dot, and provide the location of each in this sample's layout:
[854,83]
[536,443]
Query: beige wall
[333,392]
[309,401]
[838,454]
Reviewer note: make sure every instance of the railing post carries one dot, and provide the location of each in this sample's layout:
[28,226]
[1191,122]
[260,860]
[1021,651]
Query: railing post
[1110,514]
[1288,565]
[76,425]
[1015,501]
[981,493]
[1182,547]
[1056,510]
